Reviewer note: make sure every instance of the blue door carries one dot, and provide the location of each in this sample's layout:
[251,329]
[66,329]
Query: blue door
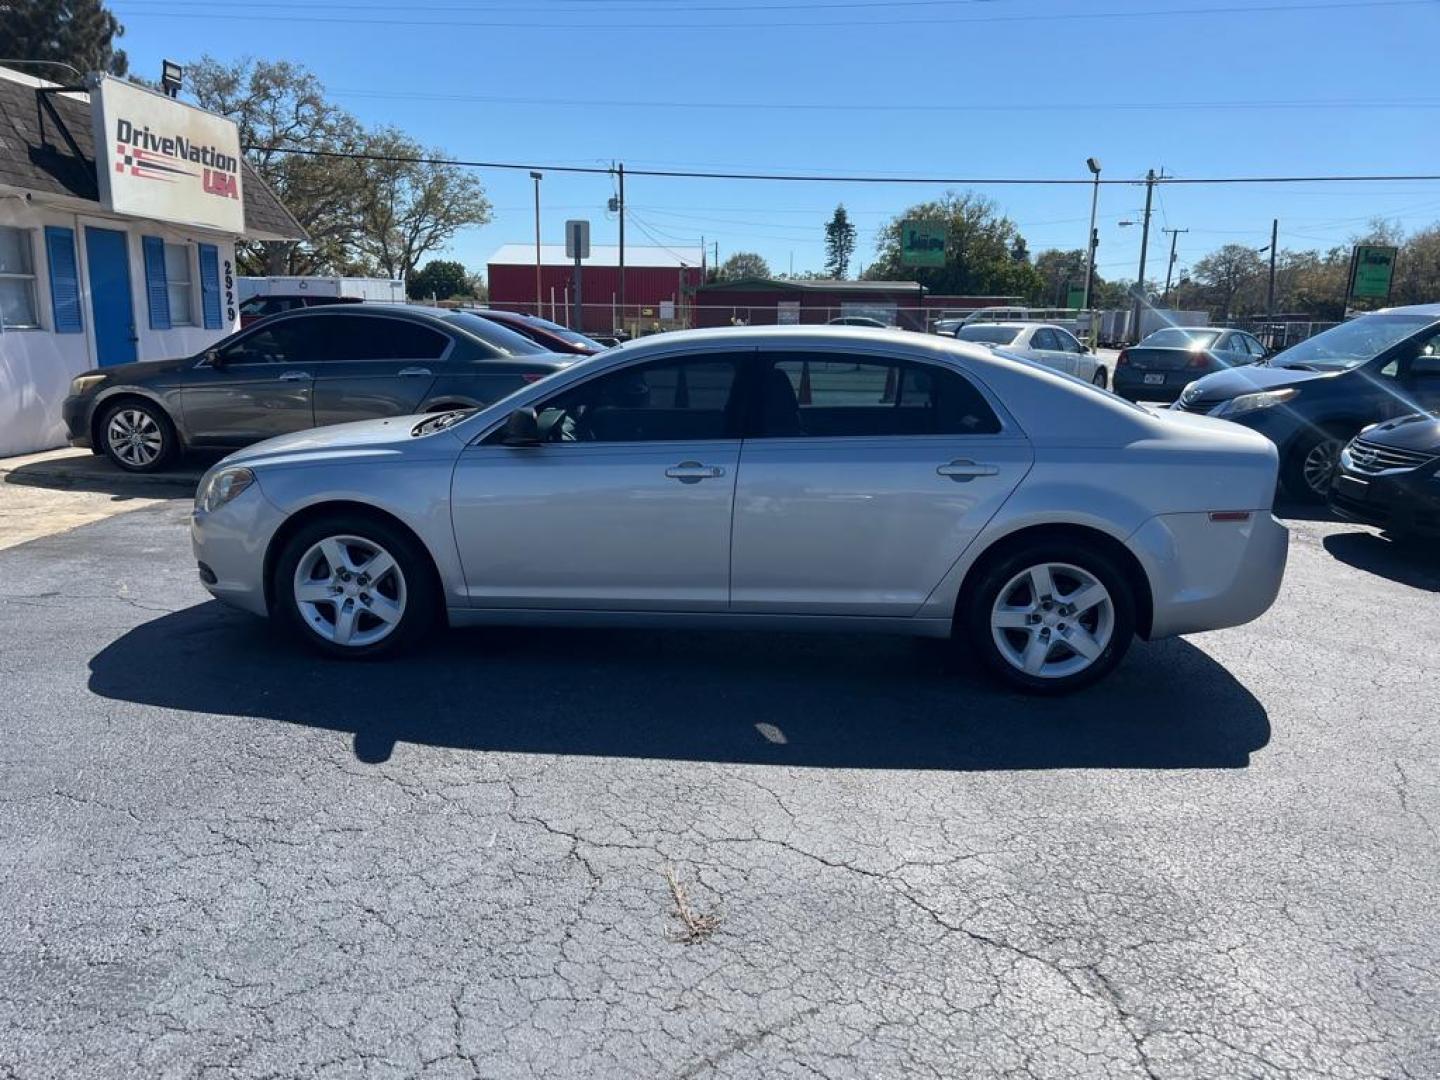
[108,260]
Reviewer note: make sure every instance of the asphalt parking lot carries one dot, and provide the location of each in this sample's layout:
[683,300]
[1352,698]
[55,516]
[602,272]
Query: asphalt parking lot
[546,853]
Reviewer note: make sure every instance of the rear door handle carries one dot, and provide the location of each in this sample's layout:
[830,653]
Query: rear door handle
[295,376]
[692,472]
[409,371]
[964,470]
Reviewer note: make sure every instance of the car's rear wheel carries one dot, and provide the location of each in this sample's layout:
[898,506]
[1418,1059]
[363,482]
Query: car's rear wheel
[1050,618]
[137,436]
[1101,379]
[1311,463]
[355,587]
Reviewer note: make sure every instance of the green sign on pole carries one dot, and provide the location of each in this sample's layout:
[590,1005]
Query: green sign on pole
[922,243]
[1371,270]
[1075,297]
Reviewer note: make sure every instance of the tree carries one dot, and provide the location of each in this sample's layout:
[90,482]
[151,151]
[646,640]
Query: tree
[978,251]
[440,279]
[81,33]
[1417,268]
[1232,273]
[371,213]
[743,264]
[839,243]
[1059,272]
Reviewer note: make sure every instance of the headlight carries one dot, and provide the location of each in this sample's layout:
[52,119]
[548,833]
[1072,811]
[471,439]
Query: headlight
[82,383]
[220,487]
[1265,399]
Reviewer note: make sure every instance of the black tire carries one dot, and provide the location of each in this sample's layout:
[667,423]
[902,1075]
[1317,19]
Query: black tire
[973,620]
[1101,379]
[420,591]
[127,432]
[1294,468]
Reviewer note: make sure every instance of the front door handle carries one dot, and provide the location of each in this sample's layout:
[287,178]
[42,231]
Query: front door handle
[411,371]
[295,376]
[963,470]
[692,472]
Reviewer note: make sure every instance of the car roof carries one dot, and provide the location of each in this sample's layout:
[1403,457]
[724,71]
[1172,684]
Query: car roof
[420,311]
[1433,310]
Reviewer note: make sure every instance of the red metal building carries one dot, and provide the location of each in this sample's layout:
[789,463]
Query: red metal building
[660,284]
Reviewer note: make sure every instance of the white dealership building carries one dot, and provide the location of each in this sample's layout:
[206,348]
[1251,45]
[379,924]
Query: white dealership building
[119,213]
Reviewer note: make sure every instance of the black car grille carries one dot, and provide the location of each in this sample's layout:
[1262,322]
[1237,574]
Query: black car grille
[1197,406]
[1369,457]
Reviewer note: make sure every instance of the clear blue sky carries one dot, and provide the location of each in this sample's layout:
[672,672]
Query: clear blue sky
[956,88]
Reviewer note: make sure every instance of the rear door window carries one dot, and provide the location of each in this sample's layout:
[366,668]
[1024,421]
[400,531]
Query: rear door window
[827,396]
[372,337]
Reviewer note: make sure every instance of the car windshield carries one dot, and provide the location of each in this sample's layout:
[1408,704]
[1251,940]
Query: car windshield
[1180,337]
[1352,343]
[504,340]
[995,335]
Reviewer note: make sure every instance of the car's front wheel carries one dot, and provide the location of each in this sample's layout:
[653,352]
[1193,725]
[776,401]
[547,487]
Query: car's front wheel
[1310,465]
[137,436]
[355,587]
[1050,618]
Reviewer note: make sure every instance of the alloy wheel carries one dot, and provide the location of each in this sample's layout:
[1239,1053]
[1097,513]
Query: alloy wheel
[135,437]
[1052,620]
[350,591]
[1319,466]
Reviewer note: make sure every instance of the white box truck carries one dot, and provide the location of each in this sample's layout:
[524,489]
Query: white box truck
[261,296]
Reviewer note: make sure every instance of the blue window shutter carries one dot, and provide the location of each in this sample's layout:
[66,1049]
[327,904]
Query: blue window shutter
[210,286]
[64,279]
[159,299]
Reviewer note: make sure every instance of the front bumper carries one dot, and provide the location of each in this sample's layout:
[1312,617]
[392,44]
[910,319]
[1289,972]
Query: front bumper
[1206,574]
[230,543]
[75,411]
[1407,503]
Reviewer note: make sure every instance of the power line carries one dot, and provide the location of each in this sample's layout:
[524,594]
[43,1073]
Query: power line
[812,178]
[1285,104]
[565,26]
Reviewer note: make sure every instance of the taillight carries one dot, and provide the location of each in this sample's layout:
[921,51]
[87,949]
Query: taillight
[1199,360]
[1123,358]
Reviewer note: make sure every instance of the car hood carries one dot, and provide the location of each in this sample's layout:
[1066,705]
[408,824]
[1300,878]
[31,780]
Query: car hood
[141,370]
[1224,385]
[363,438]
[1420,432]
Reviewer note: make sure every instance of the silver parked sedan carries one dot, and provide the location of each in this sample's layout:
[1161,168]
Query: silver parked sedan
[785,478]
[1053,346]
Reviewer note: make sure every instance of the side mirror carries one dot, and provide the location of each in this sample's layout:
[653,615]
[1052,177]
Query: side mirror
[213,359]
[522,428]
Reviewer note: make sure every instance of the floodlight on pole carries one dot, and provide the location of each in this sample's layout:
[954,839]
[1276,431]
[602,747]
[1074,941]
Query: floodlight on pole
[1093,164]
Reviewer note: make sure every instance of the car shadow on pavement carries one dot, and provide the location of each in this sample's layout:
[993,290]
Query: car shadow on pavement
[1412,563]
[838,701]
[92,473]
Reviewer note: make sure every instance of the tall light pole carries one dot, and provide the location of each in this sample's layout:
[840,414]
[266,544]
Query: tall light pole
[1094,165]
[1139,305]
[536,176]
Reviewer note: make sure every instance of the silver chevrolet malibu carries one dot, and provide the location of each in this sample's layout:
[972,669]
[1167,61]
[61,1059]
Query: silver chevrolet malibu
[763,478]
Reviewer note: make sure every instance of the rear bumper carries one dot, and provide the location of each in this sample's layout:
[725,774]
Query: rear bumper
[1129,383]
[1406,503]
[1207,575]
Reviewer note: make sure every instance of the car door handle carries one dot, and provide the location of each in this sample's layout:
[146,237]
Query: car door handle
[692,472]
[412,371]
[294,376]
[963,470]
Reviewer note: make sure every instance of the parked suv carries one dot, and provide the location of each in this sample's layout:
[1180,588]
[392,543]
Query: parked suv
[1310,399]
[297,370]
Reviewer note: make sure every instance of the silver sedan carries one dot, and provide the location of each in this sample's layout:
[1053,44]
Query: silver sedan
[758,478]
[1053,346]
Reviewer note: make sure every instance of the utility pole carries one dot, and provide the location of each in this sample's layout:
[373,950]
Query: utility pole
[1170,267]
[536,176]
[1274,243]
[1144,248]
[622,245]
[1093,164]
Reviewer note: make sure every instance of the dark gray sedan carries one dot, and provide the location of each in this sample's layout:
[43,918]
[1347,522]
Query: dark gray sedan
[299,370]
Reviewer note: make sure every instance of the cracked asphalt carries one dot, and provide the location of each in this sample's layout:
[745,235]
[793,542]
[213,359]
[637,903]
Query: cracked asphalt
[225,858]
